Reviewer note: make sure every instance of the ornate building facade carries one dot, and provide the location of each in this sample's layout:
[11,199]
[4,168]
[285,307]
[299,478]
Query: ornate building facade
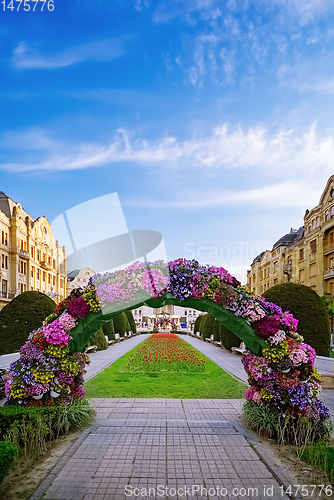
[303,256]
[31,259]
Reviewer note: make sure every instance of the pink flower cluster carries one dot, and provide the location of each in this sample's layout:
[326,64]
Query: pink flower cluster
[298,356]
[56,334]
[154,281]
[287,319]
[277,338]
[252,394]
[67,321]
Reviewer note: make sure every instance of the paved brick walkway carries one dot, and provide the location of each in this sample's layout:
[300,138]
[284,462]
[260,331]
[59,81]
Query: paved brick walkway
[154,444]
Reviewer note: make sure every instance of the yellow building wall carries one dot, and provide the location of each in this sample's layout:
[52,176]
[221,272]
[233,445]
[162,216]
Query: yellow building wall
[309,261]
[30,257]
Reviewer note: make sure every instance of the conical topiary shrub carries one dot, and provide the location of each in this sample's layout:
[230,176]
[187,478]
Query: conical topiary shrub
[197,324]
[108,329]
[207,326]
[216,330]
[121,324]
[228,338]
[131,321]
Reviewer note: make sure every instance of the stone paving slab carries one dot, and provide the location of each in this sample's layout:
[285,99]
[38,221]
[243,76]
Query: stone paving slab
[139,447]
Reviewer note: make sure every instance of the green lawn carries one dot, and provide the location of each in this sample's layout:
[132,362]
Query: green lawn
[117,382]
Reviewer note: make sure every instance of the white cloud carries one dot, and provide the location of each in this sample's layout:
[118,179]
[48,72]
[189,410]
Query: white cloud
[284,151]
[284,194]
[326,86]
[25,57]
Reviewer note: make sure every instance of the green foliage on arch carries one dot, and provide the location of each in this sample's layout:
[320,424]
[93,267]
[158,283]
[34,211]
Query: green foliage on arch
[82,333]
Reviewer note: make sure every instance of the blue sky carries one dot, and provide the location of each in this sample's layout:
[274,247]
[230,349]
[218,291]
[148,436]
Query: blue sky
[212,120]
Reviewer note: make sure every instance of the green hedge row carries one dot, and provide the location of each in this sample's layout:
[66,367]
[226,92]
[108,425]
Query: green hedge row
[8,452]
[207,325]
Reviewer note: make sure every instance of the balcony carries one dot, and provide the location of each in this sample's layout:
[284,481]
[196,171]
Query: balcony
[328,248]
[329,273]
[45,265]
[7,295]
[23,254]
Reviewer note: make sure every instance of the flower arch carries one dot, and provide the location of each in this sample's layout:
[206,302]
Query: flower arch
[280,366]
[164,322]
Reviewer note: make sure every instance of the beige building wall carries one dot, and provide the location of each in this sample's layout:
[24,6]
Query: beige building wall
[30,257]
[301,256]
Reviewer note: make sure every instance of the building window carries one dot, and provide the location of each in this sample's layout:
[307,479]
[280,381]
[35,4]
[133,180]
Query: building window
[310,227]
[301,254]
[327,216]
[4,238]
[54,264]
[49,279]
[38,255]
[4,286]
[331,237]
[54,281]
[61,283]
[265,273]
[32,271]
[44,276]
[313,270]
[38,274]
[332,211]
[4,263]
[32,252]
[22,267]
[318,221]
[330,289]
[301,275]
[313,224]
[44,257]
[254,278]
[331,261]
[313,246]
[276,266]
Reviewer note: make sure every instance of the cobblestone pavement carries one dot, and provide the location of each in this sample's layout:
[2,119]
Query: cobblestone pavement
[139,447]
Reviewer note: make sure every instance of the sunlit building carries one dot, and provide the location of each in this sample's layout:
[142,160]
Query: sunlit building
[31,259]
[304,255]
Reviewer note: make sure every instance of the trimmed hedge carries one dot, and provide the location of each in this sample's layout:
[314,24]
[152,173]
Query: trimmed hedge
[207,326]
[8,452]
[131,320]
[216,330]
[306,306]
[20,317]
[108,329]
[121,324]
[228,338]
[197,324]
[99,340]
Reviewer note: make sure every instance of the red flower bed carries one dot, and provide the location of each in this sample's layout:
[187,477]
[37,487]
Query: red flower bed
[166,352]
